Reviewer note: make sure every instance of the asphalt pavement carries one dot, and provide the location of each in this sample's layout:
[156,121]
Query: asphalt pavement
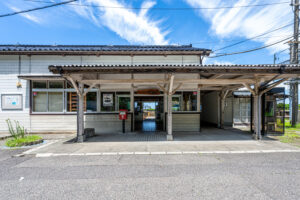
[199,176]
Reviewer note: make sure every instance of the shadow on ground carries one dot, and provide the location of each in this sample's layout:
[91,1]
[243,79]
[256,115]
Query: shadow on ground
[206,134]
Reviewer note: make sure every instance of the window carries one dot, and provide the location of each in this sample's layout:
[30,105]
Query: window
[124,102]
[39,101]
[176,100]
[71,101]
[269,109]
[184,101]
[56,84]
[39,84]
[189,101]
[241,110]
[55,102]
[56,99]
[91,102]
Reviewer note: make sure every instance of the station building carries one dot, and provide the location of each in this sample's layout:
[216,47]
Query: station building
[70,88]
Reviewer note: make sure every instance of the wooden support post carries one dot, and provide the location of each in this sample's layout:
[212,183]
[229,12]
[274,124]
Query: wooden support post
[169,131]
[257,116]
[198,106]
[132,106]
[222,112]
[80,117]
[170,91]
[165,110]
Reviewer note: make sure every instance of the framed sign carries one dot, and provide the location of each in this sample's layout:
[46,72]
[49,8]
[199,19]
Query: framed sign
[11,101]
[108,100]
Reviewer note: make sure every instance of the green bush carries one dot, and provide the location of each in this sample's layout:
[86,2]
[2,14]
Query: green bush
[18,132]
[21,141]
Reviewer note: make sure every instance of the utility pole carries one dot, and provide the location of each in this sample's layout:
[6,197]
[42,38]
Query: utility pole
[294,60]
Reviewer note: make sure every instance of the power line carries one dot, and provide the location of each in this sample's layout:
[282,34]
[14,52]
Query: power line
[250,50]
[233,40]
[38,8]
[157,8]
[257,36]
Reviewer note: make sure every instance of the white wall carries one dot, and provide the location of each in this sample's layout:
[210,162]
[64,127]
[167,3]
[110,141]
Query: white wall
[186,122]
[228,115]
[210,108]
[9,70]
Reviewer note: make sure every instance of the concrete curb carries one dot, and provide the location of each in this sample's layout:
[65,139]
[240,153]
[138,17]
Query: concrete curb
[164,153]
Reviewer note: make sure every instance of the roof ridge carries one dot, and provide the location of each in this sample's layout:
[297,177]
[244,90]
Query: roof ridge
[92,45]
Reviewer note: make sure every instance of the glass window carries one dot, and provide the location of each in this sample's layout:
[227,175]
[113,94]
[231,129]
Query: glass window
[176,103]
[39,101]
[39,84]
[71,101]
[269,109]
[189,101]
[241,110]
[91,102]
[55,101]
[124,102]
[56,84]
[108,101]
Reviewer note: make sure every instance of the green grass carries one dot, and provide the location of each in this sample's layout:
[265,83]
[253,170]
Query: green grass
[18,142]
[289,137]
[292,134]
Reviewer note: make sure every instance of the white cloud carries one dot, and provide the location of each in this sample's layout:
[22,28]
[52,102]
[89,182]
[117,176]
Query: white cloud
[27,15]
[131,26]
[135,26]
[247,22]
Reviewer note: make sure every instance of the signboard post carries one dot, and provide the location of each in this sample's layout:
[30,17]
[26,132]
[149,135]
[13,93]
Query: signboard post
[123,117]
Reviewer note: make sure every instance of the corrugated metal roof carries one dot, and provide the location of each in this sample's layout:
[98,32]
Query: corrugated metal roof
[108,48]
[266,68]
[213,66]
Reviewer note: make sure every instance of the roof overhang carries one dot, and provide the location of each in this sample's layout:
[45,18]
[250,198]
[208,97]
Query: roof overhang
[215,69]
[112,53]
[98,50]
[41,77]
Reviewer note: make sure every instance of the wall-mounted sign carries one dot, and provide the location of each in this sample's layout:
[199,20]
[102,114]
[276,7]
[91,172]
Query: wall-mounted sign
[108,100]
[11,102]
[148,91]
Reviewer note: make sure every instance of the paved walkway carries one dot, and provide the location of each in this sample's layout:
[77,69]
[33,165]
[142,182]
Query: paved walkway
[208,141]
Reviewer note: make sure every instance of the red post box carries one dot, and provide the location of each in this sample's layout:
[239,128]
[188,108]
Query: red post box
[123,114]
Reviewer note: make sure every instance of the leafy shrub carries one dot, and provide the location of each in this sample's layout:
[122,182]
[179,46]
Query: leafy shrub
[18,132]
[21,141]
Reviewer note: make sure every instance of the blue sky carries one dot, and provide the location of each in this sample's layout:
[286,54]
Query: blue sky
[213,29]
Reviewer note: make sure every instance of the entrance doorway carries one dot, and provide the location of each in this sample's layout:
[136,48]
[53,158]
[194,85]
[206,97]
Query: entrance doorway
[148,113]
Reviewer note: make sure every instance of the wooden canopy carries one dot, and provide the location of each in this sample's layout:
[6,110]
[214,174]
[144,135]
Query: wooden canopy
[258,79]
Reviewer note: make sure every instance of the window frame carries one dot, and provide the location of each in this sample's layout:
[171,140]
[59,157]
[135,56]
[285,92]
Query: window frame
[181,101]
[64,92]
[117,102]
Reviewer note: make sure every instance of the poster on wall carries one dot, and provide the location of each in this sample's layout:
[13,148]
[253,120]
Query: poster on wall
[11,102]
[108,100]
